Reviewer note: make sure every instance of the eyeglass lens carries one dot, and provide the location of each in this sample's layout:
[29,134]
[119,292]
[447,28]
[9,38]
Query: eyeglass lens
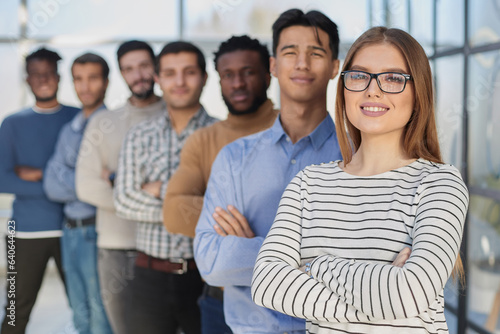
[388,82]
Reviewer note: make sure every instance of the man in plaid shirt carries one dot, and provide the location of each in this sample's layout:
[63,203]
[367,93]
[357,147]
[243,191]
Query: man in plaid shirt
[167,283]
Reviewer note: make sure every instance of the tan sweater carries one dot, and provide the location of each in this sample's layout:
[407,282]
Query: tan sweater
[185,190]
[100,149]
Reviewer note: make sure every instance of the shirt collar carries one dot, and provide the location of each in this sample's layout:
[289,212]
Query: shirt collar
[200,114]
[277,131]
[39,110]
[79,121]
[322,132]
[317,137]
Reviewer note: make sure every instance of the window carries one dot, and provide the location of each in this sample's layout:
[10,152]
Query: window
[96,21]
[484,26]
[9,19]
[484,117]
[449,75]
[450,24]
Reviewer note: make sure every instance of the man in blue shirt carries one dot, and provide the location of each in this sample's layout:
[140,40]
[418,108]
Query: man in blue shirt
[78,243]
[27,140]
[249,175]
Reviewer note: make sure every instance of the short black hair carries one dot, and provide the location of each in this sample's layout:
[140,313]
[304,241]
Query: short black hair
[243,42]
[178,47]
[313,18]
[43,54]
[93,58]
[133,46]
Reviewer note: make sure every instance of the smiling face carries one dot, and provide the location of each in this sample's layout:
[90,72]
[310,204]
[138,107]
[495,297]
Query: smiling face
[372,111]
[43,80]
[181,80]
[243,81]
[302,65]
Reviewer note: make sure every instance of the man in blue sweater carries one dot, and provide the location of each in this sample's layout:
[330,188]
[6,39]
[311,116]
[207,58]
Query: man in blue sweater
[27,141]
[79,240]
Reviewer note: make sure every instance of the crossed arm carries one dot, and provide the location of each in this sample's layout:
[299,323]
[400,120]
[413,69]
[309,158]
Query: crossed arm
[15,178]
[225,246]
[59,181]
[136,199]
[184,198]
[342,290]
[232,222]
[225,254]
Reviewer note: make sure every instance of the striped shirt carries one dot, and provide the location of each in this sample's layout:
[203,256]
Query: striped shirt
[151,153]
[350,228]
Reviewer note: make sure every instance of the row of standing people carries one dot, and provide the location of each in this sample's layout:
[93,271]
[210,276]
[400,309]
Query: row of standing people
[112,241]
[129,166]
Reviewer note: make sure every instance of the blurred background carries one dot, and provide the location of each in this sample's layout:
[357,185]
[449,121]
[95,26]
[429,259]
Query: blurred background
[461,38]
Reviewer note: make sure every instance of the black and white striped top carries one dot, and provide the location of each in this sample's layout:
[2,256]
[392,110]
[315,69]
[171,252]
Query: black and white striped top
[350,228]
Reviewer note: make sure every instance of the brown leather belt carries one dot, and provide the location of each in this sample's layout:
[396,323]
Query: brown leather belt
[176,266]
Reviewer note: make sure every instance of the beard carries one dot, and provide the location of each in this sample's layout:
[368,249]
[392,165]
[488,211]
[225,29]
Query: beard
[146,93]
[46,98]
[257,102]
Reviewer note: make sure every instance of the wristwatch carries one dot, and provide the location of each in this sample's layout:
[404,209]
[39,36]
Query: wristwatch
[308,269]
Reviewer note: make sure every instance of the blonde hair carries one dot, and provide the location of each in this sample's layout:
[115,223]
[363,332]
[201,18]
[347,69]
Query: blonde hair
[420,138]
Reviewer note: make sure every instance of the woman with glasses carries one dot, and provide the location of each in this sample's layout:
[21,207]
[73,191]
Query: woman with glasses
[367,244]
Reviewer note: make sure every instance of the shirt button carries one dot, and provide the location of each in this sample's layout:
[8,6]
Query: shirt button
[288,140]
[293,161]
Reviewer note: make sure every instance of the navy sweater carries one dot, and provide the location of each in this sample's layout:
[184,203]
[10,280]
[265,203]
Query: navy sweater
[28,138]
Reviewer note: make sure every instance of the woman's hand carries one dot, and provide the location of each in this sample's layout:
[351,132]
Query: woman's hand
[402,257]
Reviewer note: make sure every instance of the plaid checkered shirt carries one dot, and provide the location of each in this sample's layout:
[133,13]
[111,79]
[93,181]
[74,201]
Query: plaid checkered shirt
[150,153]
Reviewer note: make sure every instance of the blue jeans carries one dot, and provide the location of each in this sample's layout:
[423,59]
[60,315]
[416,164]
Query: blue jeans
[212,315]
[79,259]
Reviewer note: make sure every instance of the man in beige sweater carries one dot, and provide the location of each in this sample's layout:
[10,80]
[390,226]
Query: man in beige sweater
[97,163]
[243,67]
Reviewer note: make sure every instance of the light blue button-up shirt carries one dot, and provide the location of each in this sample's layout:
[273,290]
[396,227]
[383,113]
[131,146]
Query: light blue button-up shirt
[251,174]
[59,176]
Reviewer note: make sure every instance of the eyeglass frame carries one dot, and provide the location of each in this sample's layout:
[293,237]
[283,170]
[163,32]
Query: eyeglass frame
[407,77]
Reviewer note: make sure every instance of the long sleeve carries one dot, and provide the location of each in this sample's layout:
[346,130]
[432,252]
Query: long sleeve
[348,290]
[223,261]
[184,199]
[406,292]
[130,200]
[90,186]
[277,282]
[59,178]
[10,183]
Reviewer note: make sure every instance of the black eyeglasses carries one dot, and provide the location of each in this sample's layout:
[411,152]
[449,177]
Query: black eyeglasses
[388,82]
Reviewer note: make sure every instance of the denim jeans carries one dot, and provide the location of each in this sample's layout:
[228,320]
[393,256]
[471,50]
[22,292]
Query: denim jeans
[79,258]
[116,272]
[212,315]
